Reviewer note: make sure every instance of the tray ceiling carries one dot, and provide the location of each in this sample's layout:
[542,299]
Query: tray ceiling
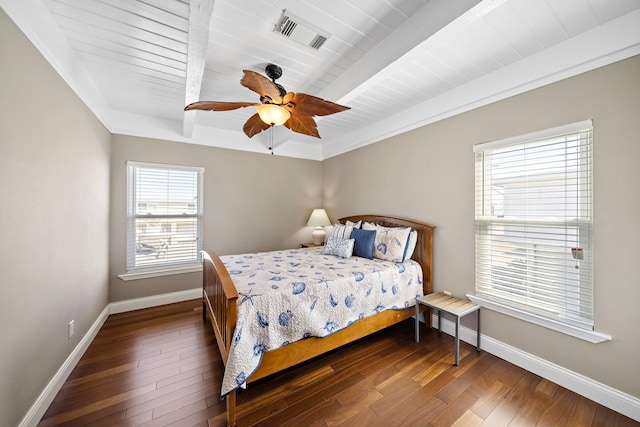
[399,64]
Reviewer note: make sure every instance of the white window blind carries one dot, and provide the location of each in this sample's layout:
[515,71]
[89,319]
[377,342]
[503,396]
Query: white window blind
[533,222]
[164,215]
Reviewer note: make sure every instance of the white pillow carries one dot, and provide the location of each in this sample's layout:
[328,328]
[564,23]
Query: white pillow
[339,247]
[354,224]
[342,231]
[411,244]
[390,243]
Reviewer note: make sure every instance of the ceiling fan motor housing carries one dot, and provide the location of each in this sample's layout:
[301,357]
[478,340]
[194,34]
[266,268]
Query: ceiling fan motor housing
[273,71]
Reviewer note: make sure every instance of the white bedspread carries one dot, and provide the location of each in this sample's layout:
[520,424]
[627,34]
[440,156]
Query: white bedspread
[285,296]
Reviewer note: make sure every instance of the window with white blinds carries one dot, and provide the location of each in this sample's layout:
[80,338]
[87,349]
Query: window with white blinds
[533,222]
[164,216]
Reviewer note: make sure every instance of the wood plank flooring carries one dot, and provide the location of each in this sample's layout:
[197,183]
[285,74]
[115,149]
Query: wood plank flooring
[161,367]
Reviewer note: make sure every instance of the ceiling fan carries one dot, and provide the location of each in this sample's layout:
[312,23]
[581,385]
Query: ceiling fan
[277,106]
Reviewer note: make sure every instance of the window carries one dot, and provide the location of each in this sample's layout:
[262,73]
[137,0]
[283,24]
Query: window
[164,216]
[533,222]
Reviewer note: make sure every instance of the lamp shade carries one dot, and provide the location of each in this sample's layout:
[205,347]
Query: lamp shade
[318,219]
[273,115]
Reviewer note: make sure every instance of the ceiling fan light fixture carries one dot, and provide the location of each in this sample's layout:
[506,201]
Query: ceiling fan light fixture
[273,115]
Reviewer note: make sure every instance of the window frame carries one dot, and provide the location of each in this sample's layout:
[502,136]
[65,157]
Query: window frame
[133,271]
[487,292]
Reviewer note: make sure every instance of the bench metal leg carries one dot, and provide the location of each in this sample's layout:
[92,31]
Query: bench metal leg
[457,340]
[478,344]
[417,321]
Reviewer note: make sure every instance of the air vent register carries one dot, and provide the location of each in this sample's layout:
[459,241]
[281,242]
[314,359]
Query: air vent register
[300,31]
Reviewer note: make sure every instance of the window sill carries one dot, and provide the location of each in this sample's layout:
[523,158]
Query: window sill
[591,336]
[146,274]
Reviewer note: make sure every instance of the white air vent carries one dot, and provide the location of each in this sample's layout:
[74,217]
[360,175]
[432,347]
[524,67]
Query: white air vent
[300,31]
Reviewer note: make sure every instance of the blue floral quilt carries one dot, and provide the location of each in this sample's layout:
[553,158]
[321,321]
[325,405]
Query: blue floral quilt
[289,295]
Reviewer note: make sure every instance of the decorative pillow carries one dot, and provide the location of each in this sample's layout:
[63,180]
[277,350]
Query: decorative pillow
[390,243]
[364,240]
[411,245]
[342,231]
[339,247]
[354,224]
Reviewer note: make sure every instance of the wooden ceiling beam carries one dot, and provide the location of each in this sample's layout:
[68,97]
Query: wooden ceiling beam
[200,12]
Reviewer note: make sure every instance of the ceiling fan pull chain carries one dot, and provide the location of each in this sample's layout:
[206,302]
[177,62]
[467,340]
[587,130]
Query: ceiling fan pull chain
[271,140]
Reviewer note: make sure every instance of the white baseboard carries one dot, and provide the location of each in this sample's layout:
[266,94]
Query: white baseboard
[154,301]
[40,406]
[587,387]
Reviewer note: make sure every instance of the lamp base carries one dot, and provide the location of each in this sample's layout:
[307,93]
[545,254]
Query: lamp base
[318,235]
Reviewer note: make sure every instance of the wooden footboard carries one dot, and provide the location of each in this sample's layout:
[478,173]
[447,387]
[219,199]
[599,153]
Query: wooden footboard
[219,297]
[220,305]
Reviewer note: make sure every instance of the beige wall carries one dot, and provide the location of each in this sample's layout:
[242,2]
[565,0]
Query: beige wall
[62,204]
[428,174]
[252,202]
[54,206]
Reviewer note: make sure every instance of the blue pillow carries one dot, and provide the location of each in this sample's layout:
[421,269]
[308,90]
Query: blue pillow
[364,240]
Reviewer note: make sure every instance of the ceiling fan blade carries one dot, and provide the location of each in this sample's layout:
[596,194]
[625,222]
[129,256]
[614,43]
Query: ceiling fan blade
[303,124]
[309,105]
[254,126]
[261,85]
[217,105]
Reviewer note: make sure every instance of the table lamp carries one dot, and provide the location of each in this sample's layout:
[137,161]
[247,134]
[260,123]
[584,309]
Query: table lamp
[318,219]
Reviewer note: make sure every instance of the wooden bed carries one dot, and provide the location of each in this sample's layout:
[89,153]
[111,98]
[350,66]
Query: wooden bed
[220,303]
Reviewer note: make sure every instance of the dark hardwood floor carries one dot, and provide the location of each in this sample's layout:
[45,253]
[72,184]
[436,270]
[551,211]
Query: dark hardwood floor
[160,366]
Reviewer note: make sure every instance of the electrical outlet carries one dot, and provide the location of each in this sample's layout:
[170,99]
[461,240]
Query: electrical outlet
[71,329]
[447,293]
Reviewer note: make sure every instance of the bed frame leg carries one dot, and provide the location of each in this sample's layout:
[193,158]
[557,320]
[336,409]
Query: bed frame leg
[231,408]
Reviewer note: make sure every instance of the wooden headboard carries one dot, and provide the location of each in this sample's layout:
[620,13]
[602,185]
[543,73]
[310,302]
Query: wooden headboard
[423,254]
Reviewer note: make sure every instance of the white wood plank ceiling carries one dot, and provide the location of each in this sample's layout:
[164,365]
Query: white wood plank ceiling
[398,64]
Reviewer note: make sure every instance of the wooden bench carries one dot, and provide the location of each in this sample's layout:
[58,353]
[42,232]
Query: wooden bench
[454,306]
